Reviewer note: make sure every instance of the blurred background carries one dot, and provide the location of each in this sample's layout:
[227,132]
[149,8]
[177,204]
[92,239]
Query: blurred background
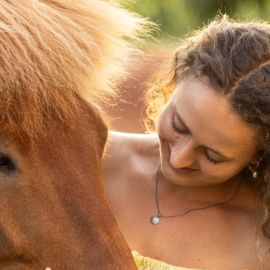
[176,19]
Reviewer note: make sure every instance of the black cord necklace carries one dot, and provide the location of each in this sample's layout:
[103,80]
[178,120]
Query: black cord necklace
[155,219]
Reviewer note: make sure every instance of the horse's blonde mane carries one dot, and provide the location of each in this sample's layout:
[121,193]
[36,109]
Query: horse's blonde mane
[52,51]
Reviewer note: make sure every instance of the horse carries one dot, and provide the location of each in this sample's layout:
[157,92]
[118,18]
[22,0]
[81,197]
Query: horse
[58,60]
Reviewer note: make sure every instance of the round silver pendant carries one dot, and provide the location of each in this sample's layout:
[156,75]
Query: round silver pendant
[154,220]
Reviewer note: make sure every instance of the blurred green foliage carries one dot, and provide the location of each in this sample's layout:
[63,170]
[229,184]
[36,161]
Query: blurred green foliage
[179,17]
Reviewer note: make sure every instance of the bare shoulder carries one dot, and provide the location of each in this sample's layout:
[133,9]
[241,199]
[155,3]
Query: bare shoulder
[125,147]
[122,147]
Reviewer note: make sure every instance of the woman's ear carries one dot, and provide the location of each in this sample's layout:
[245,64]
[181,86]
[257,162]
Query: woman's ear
[255,160]
[257,157]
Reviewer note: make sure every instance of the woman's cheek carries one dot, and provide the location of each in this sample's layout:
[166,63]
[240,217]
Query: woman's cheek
[217,173]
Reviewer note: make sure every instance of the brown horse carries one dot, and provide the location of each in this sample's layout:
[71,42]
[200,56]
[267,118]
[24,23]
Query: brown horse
[58,58]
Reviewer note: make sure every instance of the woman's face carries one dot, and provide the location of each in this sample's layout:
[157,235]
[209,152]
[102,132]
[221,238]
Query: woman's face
[202,142]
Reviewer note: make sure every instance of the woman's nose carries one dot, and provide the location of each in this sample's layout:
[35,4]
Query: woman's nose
[182,155]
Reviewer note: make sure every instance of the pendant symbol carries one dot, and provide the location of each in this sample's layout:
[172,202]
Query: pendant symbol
[154,220]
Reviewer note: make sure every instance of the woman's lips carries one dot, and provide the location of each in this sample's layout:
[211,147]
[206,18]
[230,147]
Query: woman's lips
[184,170]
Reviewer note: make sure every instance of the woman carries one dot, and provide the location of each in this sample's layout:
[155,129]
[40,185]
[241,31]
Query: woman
[197,194]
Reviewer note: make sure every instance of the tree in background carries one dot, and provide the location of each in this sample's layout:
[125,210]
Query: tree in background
[179,17]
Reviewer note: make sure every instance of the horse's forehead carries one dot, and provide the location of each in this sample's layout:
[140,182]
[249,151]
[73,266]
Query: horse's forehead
[85,139]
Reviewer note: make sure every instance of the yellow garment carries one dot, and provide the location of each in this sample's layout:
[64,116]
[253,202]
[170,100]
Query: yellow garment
[146,263]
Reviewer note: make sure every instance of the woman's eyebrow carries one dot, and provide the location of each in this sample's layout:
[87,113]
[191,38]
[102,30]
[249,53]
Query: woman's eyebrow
[218,153]
[186,127]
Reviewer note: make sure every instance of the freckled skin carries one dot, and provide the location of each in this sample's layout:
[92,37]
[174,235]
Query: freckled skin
[190,241]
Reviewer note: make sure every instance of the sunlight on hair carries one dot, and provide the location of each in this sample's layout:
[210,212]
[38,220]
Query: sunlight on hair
[53,52]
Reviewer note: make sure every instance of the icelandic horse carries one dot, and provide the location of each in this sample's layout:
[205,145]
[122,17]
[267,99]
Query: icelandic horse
[57,59]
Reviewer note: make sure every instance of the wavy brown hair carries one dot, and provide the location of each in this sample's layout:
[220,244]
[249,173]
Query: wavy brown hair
[234,58]
[54,51]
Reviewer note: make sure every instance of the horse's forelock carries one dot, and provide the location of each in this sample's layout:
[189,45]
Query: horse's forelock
[52,52]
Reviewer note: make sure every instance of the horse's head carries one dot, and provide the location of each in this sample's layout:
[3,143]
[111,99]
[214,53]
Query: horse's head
[53,209]
[56,59]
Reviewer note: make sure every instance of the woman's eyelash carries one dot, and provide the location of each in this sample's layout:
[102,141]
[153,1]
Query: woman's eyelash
[175,128]
[212,160]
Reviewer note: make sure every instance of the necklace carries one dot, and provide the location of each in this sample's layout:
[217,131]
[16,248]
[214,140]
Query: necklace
[155,219]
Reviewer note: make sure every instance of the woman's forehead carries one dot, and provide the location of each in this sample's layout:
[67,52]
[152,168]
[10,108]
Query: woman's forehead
[209,116]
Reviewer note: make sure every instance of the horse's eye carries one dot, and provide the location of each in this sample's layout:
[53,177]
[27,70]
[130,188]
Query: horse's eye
[6,165]
[4,161]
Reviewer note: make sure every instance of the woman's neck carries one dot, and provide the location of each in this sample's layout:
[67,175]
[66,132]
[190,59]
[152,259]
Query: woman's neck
[235,187]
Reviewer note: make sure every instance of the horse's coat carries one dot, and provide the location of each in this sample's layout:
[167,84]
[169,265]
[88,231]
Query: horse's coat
[53,208]
[57,58]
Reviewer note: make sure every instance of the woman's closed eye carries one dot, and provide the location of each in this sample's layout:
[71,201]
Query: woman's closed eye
[176,129]
[215,162]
